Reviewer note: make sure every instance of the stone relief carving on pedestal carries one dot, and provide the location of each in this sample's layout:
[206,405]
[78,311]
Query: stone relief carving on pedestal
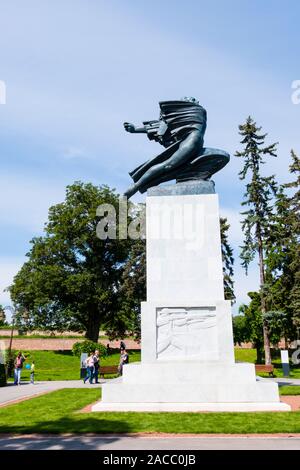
[185,332]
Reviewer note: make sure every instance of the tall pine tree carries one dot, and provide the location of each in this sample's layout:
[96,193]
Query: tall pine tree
[228,261]
[283,256]
[294,218]
[258,196]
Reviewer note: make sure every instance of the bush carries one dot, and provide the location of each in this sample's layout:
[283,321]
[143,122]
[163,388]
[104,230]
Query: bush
[10,361]
[2,375]
[88,347]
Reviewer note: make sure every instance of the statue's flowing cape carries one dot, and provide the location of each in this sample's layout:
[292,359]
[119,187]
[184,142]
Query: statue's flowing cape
[177,119]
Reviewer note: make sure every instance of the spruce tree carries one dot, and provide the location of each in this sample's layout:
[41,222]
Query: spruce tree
[278,276]
[228,261]
[294,217]
[258,196]
[283,256]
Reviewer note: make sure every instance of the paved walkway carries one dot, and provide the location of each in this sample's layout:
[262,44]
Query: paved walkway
[13,393]
[285,381]
[121,442]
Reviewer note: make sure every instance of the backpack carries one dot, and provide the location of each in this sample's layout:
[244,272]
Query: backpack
[19,362]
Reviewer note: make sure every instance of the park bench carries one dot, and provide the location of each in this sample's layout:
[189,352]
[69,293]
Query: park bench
[108,370]
[265,368]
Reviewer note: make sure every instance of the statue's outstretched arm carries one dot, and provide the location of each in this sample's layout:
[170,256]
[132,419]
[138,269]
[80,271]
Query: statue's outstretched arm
[133,129]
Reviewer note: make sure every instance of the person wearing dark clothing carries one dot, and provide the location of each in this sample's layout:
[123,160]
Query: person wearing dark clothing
[96,358]
[124,359]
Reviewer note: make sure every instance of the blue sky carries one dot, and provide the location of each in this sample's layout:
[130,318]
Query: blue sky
[75,70]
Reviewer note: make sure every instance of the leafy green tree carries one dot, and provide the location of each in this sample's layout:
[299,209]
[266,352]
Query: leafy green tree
[248,325]
[240,331]
[2,316]
[72,279]
[277,325]
[258,197]
[228,261]
[253,323]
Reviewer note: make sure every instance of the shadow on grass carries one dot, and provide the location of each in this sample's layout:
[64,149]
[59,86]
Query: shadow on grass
[63,352]
[69,424]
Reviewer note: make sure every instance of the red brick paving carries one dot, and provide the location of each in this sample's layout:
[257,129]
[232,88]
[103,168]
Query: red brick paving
[292,400]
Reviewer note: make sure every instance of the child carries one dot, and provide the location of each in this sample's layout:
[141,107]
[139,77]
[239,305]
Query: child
[32,373]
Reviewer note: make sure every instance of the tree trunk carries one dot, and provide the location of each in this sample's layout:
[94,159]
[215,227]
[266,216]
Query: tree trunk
[267,344]
[93,327]
[263,300]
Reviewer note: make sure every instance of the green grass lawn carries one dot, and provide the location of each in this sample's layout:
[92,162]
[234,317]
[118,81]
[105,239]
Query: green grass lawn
[249,355]
[57,412]
[62,365]
[289,390]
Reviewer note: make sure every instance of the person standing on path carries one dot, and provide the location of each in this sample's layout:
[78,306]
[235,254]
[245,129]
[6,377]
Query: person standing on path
[32,373]
[89,369]
[20,359]
[96,357]
[124,359]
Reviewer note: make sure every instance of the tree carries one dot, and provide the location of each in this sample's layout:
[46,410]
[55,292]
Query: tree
[260,191]
[228,261]
[253,323]
[240,331]
[248,325]
[283,255]
[72,279]
[2,316]
[277,324]
[294,219]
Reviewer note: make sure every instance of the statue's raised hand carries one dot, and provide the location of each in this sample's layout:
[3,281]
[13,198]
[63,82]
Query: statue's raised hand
[129,127]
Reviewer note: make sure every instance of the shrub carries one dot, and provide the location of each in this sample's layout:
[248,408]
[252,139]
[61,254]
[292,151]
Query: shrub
[88,347]
[10,360]
[2,375]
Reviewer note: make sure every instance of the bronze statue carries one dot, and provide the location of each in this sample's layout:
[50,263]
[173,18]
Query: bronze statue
[180,129]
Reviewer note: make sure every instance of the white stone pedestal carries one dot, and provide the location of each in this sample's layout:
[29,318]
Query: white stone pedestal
[187,342]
